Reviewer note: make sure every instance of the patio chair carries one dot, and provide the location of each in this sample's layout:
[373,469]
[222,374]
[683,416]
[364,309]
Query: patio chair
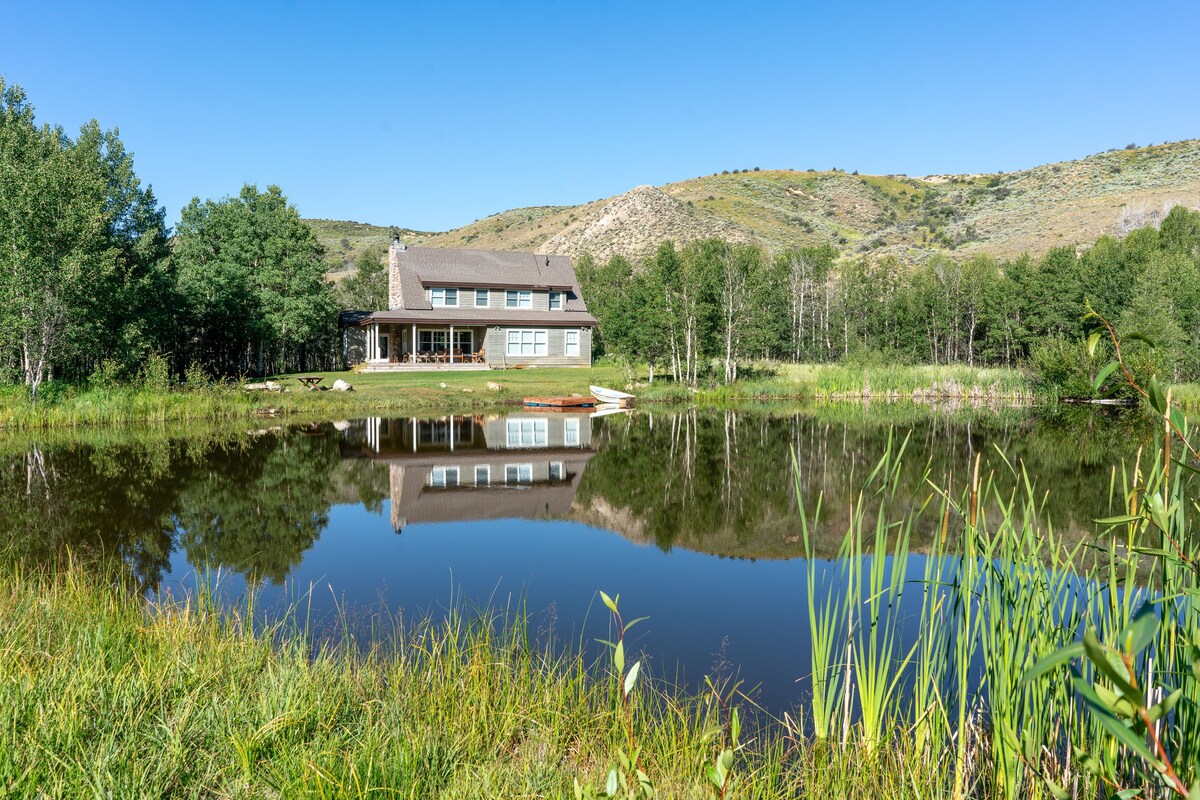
[479,356]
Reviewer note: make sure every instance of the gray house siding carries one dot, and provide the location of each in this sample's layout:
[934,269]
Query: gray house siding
[354,346]
[496,431]
[496,343]
[498,299]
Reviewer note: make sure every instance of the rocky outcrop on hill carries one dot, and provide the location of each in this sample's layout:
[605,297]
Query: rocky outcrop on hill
[636,223]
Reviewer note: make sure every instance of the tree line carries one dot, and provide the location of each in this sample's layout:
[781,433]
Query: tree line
[704,310]
[92,278]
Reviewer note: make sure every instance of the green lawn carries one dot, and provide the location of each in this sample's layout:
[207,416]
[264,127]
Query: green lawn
[392,393]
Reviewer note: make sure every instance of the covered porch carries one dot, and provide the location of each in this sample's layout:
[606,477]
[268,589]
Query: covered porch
[421,346]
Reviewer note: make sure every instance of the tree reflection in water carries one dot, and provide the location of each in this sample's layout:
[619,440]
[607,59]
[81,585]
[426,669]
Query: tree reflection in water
[710,480]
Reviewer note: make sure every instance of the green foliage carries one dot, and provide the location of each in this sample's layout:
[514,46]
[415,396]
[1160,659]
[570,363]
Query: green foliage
[155,374]
[108,374]
[367,288]
[684,311]
[82,274]
[196,378]
[1065,366]
[1129,715]
[251,274]
[625,777]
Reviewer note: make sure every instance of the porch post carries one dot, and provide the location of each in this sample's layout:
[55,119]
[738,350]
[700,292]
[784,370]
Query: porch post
[371,342]
[412,350]
[452,427]
[452,359]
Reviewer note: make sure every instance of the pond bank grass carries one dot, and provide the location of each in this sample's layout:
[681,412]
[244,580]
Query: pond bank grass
[396,394]
[100,692]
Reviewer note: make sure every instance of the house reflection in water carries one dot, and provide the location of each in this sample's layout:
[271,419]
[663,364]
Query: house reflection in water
[477,467]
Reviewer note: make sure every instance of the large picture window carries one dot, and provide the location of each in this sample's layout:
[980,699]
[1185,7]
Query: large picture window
[518,298]
[526,343]
[441,296]
[526,433]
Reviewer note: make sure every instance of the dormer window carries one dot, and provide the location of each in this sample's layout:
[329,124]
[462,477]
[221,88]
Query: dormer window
[556,301]
[441,296]
[518,298]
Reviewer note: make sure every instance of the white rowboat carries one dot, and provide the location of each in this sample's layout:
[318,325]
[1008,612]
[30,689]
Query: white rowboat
[611,396]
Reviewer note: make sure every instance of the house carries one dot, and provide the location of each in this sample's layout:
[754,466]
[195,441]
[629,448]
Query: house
[472,467]
[464,309]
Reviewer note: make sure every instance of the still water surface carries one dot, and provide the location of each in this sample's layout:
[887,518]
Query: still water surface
[691,516]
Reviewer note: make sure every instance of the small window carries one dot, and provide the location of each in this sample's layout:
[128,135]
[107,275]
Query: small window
[572,343]
[441,296]
[483,474]
[481,298]
[556,301]
[556,470]
[571,432]
[515,298]
[518,473]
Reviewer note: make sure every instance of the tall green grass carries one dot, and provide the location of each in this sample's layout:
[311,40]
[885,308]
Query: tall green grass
[1000,592]
[104,695]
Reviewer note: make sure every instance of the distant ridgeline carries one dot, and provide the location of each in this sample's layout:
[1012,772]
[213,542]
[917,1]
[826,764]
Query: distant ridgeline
[1004,214]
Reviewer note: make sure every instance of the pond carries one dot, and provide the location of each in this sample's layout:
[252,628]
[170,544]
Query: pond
[692,516]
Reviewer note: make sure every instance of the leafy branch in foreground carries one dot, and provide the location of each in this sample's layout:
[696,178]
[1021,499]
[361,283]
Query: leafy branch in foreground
[625,778]
[1122,704]
[720,772]
[1117,700]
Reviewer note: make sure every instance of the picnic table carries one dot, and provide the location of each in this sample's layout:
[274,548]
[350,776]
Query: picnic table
[310,381]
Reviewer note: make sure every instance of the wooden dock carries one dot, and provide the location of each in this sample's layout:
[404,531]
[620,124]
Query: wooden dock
[559,402]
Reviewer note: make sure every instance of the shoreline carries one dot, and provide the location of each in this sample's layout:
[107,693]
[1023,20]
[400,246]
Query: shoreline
[411,394]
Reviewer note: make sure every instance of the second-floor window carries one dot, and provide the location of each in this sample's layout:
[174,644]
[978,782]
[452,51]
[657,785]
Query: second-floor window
[518,298]
[441,296]
[556,301]
[481,298]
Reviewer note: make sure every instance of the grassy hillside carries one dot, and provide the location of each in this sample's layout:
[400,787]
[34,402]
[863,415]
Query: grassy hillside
[1072,202]
[345,240]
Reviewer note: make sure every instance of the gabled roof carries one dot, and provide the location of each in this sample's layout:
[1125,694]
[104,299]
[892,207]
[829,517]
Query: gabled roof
[419,267]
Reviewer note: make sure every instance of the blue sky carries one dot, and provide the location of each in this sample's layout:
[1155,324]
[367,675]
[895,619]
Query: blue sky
[432,115]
